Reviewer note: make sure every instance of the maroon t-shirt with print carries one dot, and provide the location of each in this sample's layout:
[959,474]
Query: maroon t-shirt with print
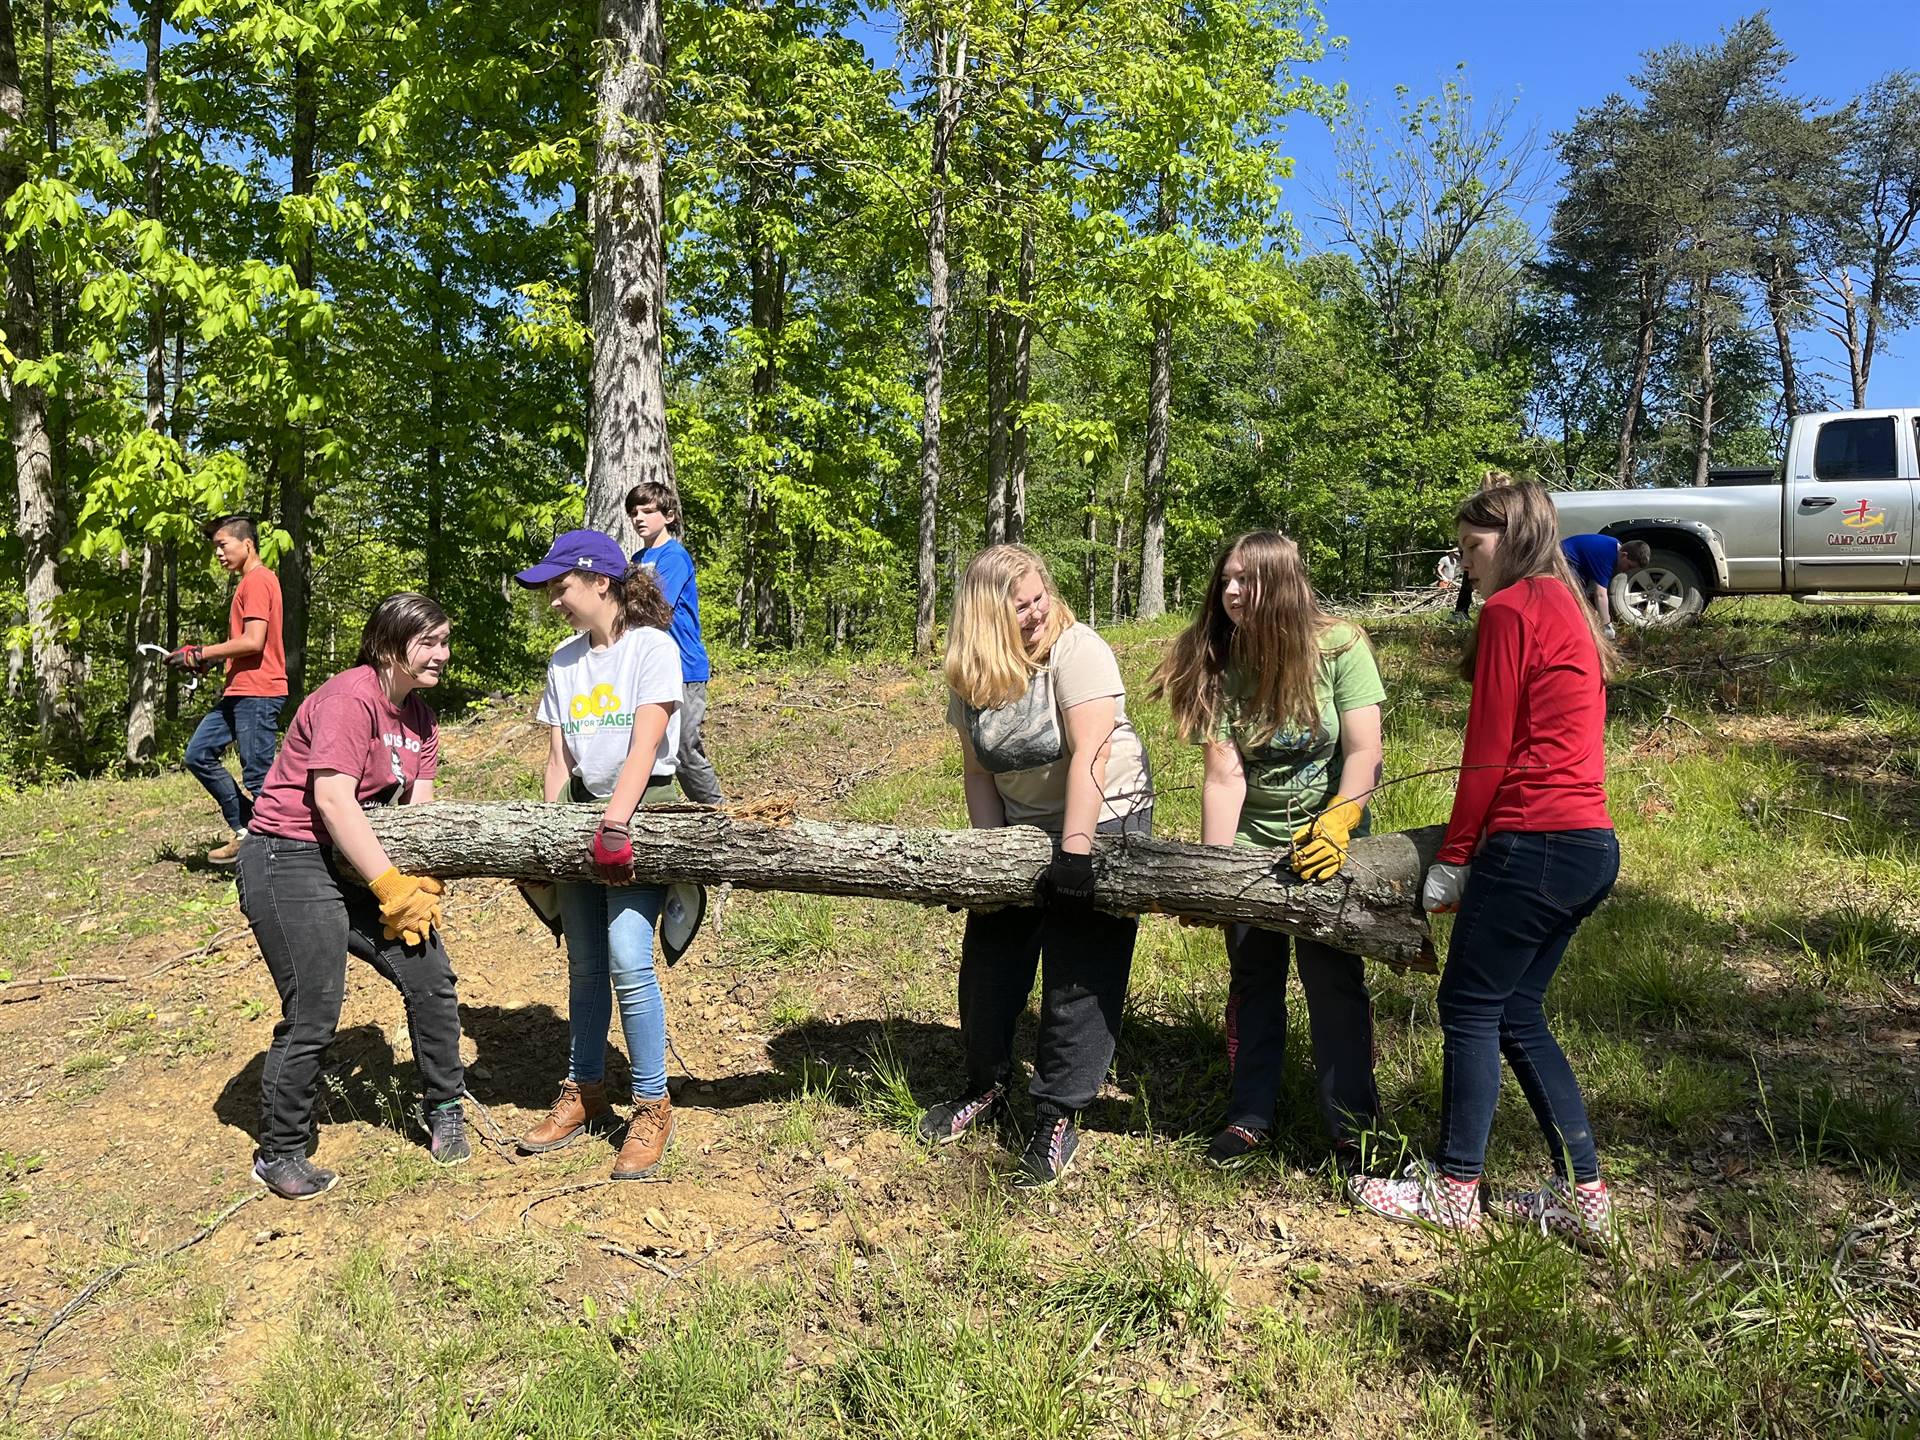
[350,726]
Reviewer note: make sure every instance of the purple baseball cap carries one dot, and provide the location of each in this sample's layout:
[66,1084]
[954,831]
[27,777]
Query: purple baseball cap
[586,550]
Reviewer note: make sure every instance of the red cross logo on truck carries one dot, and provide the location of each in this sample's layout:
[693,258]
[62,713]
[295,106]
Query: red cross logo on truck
[1862,517]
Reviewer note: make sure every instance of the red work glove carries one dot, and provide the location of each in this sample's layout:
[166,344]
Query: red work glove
[187,657]
[612,854]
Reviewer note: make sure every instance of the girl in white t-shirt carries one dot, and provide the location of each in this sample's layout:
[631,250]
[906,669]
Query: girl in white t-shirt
[612,703]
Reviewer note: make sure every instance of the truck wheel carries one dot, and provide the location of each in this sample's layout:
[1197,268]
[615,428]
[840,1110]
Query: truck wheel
[1665,591]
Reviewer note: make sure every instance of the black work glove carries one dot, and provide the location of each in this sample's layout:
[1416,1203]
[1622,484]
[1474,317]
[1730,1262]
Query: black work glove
[1068,883]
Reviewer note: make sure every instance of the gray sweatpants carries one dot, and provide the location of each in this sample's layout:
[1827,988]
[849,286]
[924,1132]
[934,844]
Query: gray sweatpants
[697,779]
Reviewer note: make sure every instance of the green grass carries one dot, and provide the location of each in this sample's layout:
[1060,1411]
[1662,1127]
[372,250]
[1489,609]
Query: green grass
[1736,1013]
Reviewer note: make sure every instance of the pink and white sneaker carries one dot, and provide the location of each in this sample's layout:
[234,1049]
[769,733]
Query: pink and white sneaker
[1421,1195]
[1582,1213]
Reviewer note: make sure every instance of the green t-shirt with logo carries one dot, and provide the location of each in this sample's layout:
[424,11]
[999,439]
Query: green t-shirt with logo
[1293,775]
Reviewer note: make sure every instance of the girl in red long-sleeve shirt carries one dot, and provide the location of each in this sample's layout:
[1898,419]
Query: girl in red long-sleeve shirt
[1529,854]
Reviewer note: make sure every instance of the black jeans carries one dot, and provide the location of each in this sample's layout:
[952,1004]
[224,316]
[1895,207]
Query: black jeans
[1084,959]
[308,916]
[1339,1012]
[1526,896]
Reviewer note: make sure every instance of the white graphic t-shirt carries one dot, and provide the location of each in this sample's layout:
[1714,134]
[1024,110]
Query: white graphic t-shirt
[592,694]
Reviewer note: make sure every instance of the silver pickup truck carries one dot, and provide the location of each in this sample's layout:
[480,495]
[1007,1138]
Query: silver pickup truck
[1834,525]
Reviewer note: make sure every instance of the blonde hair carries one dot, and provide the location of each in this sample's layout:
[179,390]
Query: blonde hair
[1277,646]
[989,663]
[1529,529]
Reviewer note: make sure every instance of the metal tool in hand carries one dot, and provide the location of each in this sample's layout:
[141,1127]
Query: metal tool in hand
[160,653]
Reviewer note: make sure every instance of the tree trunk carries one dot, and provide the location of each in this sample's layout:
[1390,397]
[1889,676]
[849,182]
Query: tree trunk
[1022,383]
[1703,457]
[1857,361]
[1781,283]
[996,410]
[1637,383]
[40,516]
[1371,908]
[629,437]
[949,65]
[296,567]
[1153,525]
[767,300]
[435,542]
[143,673]
[1091,565]
[1120,546]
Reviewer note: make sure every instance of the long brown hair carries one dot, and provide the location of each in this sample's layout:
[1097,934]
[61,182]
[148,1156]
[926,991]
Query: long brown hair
[641,603]
[1278,646]
[1529,546]
[989,663]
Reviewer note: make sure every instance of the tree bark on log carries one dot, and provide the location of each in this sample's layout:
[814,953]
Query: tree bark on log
[1371,908]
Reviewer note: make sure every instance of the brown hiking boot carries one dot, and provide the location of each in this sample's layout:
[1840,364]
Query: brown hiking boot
[579,1109]
[647,1136]
[228,853]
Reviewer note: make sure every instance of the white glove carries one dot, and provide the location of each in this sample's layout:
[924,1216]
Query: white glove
[1445,885]
[1608,632]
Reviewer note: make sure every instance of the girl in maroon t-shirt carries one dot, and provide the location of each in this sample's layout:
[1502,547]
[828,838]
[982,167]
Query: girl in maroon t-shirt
[1529,854]
[317,885]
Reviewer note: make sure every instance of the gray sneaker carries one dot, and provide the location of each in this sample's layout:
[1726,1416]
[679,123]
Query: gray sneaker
[447,1134]
[293,1177]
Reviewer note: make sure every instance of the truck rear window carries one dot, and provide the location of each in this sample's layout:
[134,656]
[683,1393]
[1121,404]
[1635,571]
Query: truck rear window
[1856,450]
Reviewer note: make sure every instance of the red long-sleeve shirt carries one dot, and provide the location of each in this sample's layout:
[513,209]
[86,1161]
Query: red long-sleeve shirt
[1535,756]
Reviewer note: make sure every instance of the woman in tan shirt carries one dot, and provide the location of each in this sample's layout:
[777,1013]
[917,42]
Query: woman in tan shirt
[1042,716]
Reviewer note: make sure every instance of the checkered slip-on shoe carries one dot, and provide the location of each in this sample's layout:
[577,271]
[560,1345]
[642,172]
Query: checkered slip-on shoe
[1421,1195]
[1580,1213]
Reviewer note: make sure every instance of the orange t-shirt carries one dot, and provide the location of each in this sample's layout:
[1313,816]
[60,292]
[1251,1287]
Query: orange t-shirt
[257,597]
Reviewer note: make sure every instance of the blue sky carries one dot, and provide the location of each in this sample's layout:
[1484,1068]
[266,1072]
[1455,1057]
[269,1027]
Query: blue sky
[1559,56]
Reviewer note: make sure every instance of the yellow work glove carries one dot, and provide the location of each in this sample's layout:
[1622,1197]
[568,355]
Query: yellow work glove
[409,905]
[1320,845]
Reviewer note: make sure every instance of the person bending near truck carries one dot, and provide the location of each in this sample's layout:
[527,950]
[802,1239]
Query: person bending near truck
[1528,855]
[247,716]
[1595,560]
[654,509]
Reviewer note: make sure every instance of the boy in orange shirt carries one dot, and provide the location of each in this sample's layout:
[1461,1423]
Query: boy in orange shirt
[247,716]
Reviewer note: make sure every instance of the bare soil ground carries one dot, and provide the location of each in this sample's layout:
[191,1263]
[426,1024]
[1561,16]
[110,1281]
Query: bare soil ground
[135,1012]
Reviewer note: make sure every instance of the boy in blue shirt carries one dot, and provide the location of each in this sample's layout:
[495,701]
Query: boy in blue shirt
[654,509]
[1595,560]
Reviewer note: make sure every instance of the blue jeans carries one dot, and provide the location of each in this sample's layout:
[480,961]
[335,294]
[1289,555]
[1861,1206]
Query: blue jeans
[1526,896]
[249,723]
[610,938]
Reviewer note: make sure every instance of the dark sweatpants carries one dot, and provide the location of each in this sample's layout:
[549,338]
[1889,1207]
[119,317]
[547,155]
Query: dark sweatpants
[1339,1013]
[1084,959]
[307,917]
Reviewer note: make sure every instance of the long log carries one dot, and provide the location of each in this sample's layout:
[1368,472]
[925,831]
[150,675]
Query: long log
[1371,908]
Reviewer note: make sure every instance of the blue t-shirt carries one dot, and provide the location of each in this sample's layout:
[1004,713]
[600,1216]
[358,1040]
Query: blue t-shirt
[672,569]
[1593,557]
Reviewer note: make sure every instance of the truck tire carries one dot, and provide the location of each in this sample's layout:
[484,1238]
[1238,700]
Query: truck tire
[1667,590]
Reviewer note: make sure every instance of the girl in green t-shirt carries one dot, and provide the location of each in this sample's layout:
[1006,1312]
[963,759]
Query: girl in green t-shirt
[1286,701]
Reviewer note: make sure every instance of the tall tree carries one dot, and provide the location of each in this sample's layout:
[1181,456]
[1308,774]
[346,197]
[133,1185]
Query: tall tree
[1870,251]
[149,604]
[628,444]
[41,515]
[947,58]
